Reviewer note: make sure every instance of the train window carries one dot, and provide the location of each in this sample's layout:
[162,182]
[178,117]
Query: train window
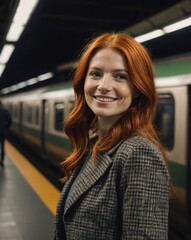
[164,119]
[36,114]
[10,108]
[15,111]
[29,114]
[59,116]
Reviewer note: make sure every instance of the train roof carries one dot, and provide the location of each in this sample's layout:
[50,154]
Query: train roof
[173,81]
[174,71]
[51,91]
[177,65]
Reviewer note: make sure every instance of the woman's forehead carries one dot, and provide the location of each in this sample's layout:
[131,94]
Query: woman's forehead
[108,56]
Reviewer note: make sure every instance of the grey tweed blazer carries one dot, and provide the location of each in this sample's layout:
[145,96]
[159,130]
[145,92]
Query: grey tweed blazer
[125,195]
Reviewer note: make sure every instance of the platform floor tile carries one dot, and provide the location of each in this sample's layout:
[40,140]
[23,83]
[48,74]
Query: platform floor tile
[23,216]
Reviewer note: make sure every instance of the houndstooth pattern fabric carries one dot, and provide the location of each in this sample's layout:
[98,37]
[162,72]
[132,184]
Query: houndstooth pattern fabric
[125,195]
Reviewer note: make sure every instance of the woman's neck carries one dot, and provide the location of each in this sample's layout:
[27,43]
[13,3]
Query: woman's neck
[104,124]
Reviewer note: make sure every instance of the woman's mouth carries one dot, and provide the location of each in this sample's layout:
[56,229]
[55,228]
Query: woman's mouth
[104,99]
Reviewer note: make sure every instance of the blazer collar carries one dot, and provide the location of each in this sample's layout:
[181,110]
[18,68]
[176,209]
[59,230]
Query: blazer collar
[90,175]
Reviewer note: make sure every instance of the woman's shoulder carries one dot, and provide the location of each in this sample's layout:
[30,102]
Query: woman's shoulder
[136,146]
[139,152]
[138,142]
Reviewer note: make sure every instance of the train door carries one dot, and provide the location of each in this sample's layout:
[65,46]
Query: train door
[20,120]
[189,156]
[172,125]
[45,124]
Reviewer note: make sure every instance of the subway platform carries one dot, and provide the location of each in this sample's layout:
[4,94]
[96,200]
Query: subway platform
[27,200]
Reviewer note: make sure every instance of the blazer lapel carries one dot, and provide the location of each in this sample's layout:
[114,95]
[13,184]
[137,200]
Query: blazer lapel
[63,195]
[91,173]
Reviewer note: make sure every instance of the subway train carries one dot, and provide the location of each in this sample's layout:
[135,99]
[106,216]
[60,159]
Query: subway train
[38,116]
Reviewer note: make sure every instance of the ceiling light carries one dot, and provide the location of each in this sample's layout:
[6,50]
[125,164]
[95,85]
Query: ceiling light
[45,76]
[2,67]
[6,53]
[149,36]
[20,19]
[14,32]
[178,25]
[28,4]
[24,11]
[31,81]
[21,85]
[22,15]
[5,90]
[14,87]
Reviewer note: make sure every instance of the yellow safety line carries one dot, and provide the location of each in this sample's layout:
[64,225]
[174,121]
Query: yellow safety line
[44,189]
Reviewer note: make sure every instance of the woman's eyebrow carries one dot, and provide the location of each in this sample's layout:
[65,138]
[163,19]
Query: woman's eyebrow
[120,70]
[96,68]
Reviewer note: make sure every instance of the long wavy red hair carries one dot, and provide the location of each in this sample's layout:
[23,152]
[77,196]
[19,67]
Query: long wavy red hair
[138,120]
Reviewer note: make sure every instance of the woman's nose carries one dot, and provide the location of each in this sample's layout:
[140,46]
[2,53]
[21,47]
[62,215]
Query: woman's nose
[104,84]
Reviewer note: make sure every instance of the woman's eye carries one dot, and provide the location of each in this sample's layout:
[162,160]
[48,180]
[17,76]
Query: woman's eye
[120,76]
[95,74]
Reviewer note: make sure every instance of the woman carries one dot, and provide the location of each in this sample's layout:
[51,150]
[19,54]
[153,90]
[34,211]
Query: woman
[116,179]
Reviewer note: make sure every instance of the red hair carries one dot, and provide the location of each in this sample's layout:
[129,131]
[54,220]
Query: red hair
[136,121]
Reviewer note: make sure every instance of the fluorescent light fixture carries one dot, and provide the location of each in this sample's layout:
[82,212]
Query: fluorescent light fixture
[28,4]
[6,53]
[31,81]
[167,29]
[5,90]
[2,67]
[45,76]
[178,25]
[13,87]
[21,85]
[15,32]
[24,11]
[22,16]
[149,36]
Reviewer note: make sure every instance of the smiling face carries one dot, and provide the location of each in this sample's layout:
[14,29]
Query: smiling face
[108,90]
